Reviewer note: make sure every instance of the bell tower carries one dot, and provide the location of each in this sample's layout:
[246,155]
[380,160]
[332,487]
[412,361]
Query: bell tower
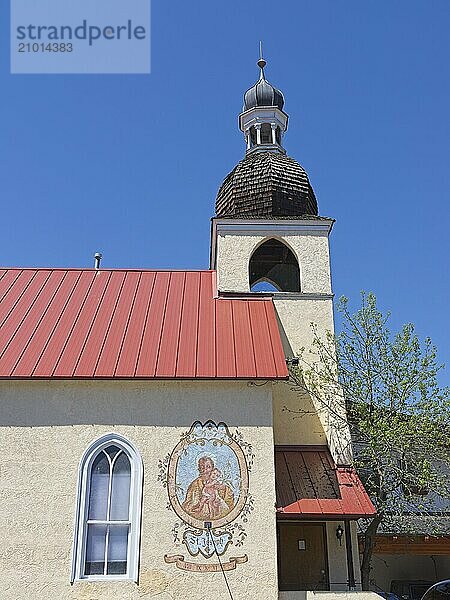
[262,120]
[267,235]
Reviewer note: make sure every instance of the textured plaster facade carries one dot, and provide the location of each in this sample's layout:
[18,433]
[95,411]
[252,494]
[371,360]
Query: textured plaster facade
[295,420]
[45,428]
[235,243]
[337,561]
[309,245]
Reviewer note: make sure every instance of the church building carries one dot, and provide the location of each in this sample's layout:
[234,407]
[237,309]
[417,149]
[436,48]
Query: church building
[153,443]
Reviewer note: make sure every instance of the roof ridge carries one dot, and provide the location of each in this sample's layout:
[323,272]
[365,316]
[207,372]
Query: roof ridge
[107,269]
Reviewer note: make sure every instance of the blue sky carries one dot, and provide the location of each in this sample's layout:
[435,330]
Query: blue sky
[129,165]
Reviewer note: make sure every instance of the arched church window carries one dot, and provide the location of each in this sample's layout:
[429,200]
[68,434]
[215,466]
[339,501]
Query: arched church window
[108,511]
[253,136]
[274,264]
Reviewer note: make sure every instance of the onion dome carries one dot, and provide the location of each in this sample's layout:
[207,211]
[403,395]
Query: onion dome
[266,185]
[263,93]
[263,121]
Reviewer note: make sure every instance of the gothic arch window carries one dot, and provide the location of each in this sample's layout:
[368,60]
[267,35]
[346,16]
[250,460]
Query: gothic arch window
[108,511]
[274,264]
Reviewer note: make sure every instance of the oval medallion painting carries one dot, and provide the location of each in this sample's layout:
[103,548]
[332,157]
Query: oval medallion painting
[207,476]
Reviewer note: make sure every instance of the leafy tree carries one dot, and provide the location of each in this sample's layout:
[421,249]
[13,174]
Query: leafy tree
[399,417]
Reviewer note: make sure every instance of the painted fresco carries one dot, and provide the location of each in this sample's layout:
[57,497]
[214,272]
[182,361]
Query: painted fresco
[207,478]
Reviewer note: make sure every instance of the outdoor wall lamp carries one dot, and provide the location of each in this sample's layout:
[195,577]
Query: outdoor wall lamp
[294,361]
[339,534]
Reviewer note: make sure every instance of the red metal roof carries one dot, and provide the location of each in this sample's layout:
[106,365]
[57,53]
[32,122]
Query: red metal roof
[309,484]
[132,324]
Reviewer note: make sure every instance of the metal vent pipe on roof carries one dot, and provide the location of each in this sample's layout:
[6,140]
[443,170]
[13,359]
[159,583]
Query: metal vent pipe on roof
[97,258]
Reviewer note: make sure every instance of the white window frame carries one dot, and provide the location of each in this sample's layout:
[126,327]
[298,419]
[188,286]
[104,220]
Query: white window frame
[83,489]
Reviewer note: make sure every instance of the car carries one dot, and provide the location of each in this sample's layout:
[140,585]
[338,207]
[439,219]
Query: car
[438,591]
[388,596]
[405,589]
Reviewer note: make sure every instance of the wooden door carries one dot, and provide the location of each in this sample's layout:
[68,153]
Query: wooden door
[302,557]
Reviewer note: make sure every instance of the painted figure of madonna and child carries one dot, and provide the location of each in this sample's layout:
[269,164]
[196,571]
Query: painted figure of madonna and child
[208,476]
[208,498]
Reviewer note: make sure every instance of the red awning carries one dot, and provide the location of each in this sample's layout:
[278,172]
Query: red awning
[86,323]
[310,485]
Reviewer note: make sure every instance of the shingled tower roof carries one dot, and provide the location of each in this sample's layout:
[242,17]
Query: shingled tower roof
[266,183]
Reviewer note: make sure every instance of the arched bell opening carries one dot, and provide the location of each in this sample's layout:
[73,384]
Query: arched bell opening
[278,136]
[266,134]
[263,134]
[274,264]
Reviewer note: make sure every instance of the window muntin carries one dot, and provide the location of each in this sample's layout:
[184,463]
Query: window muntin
[108,521]
[108,512]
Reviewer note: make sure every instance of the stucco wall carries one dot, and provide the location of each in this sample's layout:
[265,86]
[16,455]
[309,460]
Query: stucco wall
[46,426]
[296,316]
[337,557]
[311,250]
[295,419]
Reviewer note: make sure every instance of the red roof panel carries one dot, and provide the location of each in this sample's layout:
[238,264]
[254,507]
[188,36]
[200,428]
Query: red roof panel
[244,350]
[68,360]
[125,324]
[123,303]
[261,335]
[133,337]
[308,485]
[206,350]
[8,300]
[30,323]
[54,346]
[226,364]
[148,357]
[168,347]
[20,309]
[95,339]
[277,346]
[187,347]
[41,335]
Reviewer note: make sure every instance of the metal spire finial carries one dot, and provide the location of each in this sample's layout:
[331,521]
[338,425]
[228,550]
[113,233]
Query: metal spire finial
[261,62]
